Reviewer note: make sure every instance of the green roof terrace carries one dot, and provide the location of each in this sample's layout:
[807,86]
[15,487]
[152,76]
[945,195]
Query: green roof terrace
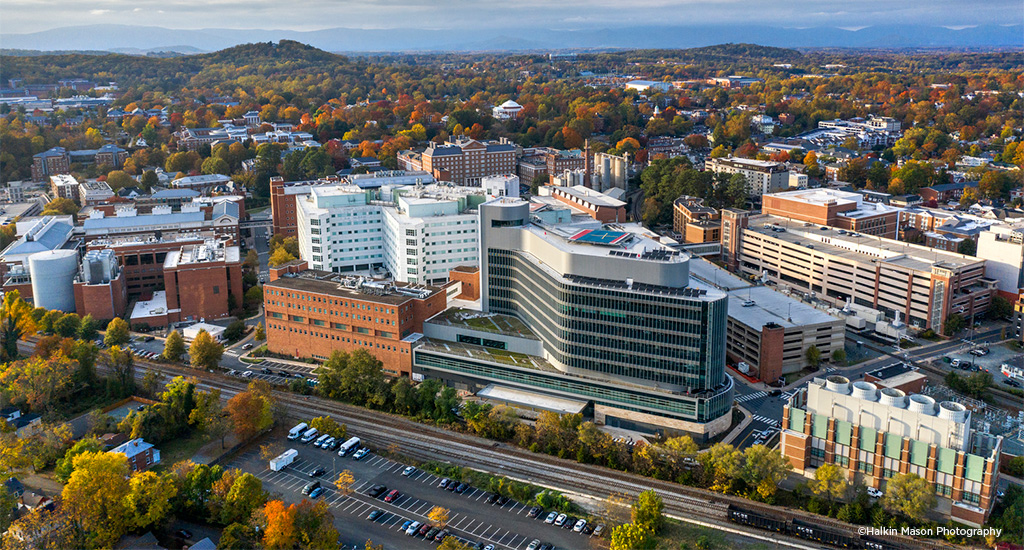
[487,322]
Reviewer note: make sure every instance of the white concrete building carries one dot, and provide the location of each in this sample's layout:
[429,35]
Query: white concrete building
[507,110]
[505,185]
[762,176]
[418,234]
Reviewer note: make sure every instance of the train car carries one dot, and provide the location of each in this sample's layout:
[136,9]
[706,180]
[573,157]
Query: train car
[756,519]
[832,537]
[875,543]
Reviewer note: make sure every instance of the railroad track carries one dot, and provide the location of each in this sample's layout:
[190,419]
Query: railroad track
[425,442]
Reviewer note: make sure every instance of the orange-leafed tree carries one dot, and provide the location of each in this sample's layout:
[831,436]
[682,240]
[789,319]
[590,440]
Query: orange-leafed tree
[280,532]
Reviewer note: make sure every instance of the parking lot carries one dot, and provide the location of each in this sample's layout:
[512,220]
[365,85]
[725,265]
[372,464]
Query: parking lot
[275,372]
[471,518]
[997,355]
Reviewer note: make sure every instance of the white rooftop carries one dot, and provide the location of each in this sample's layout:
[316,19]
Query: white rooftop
[515,396]
[821,197]
[157,305]
[773,307]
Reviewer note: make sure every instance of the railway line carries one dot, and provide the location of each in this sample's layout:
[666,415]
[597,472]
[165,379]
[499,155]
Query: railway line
[425,442]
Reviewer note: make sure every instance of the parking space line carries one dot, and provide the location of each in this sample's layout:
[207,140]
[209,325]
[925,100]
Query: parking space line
[424,505]
[481,496]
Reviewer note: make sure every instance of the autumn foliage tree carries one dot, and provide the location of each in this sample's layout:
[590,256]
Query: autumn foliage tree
[251,411]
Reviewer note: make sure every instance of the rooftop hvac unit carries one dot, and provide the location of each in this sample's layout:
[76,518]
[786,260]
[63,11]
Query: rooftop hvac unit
[950,410]
[865,390]
[838,384]
[893,398]
[922,404]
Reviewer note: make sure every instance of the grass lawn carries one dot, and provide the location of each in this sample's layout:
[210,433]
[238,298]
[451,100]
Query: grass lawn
[678,535]
[179,449]
[257,210]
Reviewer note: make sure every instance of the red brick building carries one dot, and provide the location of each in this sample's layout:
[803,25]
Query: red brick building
[282,202]
[466,161]
[469,276]
[313,313]
[200,279]
[696,222]
[50,163]
[142,260]
[103,300]
[599,206]
[833,208]
[141,455]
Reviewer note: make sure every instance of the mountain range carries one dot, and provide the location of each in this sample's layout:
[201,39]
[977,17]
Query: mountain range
[142,40]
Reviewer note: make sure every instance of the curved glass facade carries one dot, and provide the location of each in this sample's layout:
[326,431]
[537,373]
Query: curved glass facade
[670,338]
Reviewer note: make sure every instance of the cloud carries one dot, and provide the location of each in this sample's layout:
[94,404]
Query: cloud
[98,12]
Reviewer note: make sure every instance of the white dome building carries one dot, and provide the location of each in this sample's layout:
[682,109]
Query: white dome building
[507,110]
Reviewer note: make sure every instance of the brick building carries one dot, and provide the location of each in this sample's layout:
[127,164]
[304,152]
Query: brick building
[100,288]
[64,186]
[558,161]
[282,202]
[50,163]
[946,192]
[465,161]
[469,276]
[599,206]
[694,221]
[200,279]
[141,455]
[834,208]
[313,313]
[111,155]
[874,434]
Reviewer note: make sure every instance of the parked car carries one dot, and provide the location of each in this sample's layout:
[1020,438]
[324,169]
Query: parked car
[430,534]
[375,514]
[316,492]
[405,526]
[534,544]
[361,453]
[492,498]
[580,524]
[1011,382]
[376,490]
[413,528]
[569,522]
[441,536]
[408,471]
[874,493]
[462,488]
[310,487]
[551,518]
[444,483]
[560,520]
[536,511]
[424,529]
[317,472]
[599,530]
[394,494]
[502,500]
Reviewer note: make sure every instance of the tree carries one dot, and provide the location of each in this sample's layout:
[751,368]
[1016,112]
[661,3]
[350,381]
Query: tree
[344,482]
[174,347]
[314,524]
[280,532]
[117,332]
[736,190]
[829,482]
[327,425]
[279,257]
[630,536]
[719,152]
[204,351]
[244,498]
[910,495]
[234,331]
[149,499]
[254,296]
[89,328]
[439,515]
[260,333]
[764,468]
[51,317]
[252,260]
[813,355]
[95,496]
[122,364]
[647,511]
[722,464]
[967,247]
[237,536]
[16,321]
[60,207]
[251,411]
[62,471]
[215,165]
[1000,308]
[67,325]
[839,357]
[149,179]
[208,416]
[954,324]
[117,179]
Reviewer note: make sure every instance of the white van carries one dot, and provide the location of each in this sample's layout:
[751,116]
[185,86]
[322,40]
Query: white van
[297,431]
[310,435]
[320,440]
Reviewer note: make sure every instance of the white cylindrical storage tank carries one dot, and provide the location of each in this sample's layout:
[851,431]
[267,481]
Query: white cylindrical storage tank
[893,398]
[922,404]
[865,390]
[53,276]
[951,410]
[838,384]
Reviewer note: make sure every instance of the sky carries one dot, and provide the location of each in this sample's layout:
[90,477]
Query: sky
[23,16]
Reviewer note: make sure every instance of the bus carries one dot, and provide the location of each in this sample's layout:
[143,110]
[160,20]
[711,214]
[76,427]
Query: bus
[1011,371]
[348,446]
[297,431]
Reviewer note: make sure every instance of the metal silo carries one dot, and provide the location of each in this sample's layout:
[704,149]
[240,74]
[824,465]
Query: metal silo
[53,276]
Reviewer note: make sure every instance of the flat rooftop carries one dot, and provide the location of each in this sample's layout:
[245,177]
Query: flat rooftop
[587,195]
[773,307]
[594,241]
[157,305]
[354,287]
[713,275]
[820,197]
[487,322]
[516,396]
[859,247]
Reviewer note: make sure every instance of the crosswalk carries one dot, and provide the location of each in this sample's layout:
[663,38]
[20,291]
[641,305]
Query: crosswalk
[752,396]
[765,420]
[787,395]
